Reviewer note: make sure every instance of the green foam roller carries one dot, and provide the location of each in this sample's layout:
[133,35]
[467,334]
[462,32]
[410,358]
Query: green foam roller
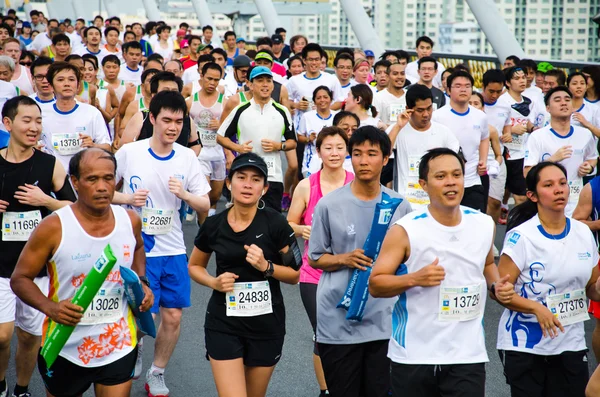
[83,297]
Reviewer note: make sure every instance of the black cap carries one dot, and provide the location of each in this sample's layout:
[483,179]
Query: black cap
[249,160]
[277,39]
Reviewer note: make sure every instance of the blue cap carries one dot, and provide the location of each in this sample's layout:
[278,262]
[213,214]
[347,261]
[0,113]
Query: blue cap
[260,71]
[26,24]
[369,53]
[240,39]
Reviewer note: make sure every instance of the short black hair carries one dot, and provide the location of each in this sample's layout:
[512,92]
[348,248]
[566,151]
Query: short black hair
[416,93]
[58,67]
[343,56]
[99,17]
[516,60]
[280,30]
[323,88]
[154,57]
[162,28]
[388,53]
[527,64]
[184,25]
[92,59]
[510,72]
[457,74]
[373,135]
[207,27]
[135,45]
[427,59]
[75,162]
[116,19]
[129,32]
[205,58]
[229,33]
[212,65]
[345,50]
[11,107]
[149,26]
[164,76]
[219,51]
[560,88]
[424,39]
[312,47]
[34,13]
[342,114]
[38,62]
[169,100]
[493,76]
[382,63]
[435,153]
[264,41]
[403,55]
[148,72]
[90,28]
[112,59]
[109,29]
[575,74]
[561,77]
[61,38]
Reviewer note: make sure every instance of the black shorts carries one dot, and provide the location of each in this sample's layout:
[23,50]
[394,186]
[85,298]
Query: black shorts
[66,379]
[475,198]
[515,181]
[387,174]
[464,380]
[361,369]
[255,352]
[308,293]
[531,375]
[273,196]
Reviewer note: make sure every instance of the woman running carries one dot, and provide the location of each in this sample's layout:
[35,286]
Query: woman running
[331,145]
[360,102]
[255,249]
[552,261]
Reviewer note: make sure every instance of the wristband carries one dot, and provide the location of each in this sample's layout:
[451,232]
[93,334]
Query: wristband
[270,269]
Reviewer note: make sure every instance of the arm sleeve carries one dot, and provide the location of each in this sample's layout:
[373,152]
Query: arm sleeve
[591,151]
[453,142]
[485,131]
[197,183]
[284,233]
[532,152]
[302,129]
[288,133]
[320,236]
[514,247]
[337,91]
[203,238]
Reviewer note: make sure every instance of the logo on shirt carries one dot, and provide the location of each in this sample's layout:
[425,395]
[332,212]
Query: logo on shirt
[350,230]
[545,156]
[79,257]
[79,129]
[259,235]
[126,252]
[453,238]
[583,256]
[512,240]
[76,281]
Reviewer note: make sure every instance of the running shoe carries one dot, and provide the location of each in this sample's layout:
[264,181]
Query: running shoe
[155,384]
[26,394]
[4,393]
[139,365]
[503,216]
[286,201]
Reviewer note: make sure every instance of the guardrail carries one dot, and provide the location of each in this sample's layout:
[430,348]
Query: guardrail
[478,64]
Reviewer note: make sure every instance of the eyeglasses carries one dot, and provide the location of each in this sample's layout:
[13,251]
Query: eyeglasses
[39,77]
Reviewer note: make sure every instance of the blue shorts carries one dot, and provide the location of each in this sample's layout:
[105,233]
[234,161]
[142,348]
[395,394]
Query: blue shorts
[170,281]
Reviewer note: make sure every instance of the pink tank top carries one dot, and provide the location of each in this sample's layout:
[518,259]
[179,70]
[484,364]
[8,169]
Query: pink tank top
[307,273]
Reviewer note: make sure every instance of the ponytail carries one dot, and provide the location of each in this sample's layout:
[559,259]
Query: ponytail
[373,111]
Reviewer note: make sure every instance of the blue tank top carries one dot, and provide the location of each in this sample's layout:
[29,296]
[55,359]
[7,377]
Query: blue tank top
[230,60]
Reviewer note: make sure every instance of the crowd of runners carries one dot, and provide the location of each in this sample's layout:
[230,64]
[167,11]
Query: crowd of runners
[119,135]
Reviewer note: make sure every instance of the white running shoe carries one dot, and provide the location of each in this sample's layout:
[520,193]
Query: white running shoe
[139,365]
[155,385]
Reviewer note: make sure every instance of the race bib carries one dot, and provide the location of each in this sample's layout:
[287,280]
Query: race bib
[460,303]
[569,308]
[156,221]
[207,137]
[416,195]
[395,111]
[270,161]
[517,142]
[105,307]
[575,188]
[66,144]
[249,299]
[413,165]
[18,226]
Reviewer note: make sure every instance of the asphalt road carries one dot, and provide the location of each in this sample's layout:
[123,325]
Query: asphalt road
[189,372]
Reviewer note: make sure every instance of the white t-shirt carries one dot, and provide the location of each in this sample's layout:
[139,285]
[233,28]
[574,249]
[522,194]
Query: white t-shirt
[549,265]
[100,55]
[45,106]
[517,146]
[389,106]
[129,75]
[60,130]
[300,86]
[311,122]
[139,167]
[411,145]
[345,89]
[40,42]
[590,112]
[7,91]
[544,142]
[470,127]
[534,93]
[419,335]
[412,74]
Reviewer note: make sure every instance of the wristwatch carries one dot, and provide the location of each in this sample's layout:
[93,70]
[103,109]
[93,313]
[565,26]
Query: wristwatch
[144,280]
[283,147]
[270,269]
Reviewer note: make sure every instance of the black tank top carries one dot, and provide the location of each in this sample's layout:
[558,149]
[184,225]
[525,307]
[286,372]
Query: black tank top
[37,170]
[148,129]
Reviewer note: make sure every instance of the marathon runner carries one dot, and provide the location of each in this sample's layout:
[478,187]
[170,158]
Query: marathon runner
[255,250]
[424,49]
[441,288]
[102,349]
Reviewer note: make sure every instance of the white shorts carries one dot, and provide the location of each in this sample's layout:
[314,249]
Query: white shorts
[498,183]
[14,309]
[215,170]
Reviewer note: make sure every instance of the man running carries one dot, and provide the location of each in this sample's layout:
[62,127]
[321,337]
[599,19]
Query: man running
[427,69]
[131,71]
[339,230]
[158,176]
[441,277]
[29,177]
[102,348]
[424,49]
[44,94]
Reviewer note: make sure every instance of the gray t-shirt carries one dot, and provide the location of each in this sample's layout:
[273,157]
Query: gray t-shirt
[341,223]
